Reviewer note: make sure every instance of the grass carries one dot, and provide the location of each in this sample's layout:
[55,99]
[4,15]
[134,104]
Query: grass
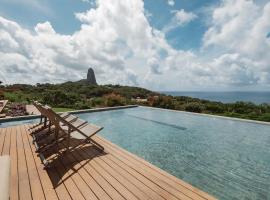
[63,109]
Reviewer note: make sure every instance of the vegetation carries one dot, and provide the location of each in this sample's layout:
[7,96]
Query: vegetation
[80,95]
[73,95]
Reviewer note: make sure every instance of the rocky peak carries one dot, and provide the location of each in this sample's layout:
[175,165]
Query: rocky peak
[91,78]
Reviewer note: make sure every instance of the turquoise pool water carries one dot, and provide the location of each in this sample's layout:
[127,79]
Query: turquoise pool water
[18,122]
[226,158]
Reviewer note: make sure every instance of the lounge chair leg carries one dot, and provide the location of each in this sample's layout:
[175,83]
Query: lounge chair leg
[101,148]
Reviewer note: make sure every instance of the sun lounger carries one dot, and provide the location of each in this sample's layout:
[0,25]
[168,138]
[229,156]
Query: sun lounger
[39,140]
[45,123]
[63,132]
[43,119]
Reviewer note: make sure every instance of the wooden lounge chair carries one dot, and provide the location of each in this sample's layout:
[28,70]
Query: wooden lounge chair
[65,133]
[44,123]
[43,119]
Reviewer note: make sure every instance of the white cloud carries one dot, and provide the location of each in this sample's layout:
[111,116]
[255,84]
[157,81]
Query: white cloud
[117,40]
[180,18]
[240,27]
[171,2]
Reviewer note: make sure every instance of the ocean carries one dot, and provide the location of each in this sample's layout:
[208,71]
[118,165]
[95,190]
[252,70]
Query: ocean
[226,97]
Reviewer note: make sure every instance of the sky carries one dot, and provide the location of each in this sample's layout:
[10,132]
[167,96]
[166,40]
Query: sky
[162,45]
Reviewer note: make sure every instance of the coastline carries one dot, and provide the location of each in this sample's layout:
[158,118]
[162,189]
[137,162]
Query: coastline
[256,97]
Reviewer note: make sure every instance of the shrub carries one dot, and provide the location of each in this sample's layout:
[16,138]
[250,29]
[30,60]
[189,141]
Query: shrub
[98,101]
[114,100]
[214,108]
[194,107]
[2,96]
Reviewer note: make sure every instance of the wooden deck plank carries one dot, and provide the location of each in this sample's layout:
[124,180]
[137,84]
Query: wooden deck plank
[113,181]
[24,184]
[168,191]
[52,178]
[158,190]
[14,181]
[35,183]
[121,179]
[60,189]
[125,173]
[50,193]
[101,188]
[172,185]
[172,179]
[6,147]
[77,178]
[87,173]
[68,182]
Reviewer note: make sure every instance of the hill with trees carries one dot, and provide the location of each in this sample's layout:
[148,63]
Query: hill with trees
[81,95]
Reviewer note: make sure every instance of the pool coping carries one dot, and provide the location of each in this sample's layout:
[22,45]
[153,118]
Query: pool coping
[209,115]
[29,117]
[21,118]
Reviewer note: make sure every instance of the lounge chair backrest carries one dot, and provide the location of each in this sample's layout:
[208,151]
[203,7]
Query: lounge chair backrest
[51,115]
[38,106]
[56,118]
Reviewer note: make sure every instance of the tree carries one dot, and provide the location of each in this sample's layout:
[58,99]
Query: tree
[1,82]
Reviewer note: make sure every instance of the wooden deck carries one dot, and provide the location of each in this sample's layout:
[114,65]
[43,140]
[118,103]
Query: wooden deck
[87,174]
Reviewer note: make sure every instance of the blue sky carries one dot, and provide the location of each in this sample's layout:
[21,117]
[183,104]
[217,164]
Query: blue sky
[160,45]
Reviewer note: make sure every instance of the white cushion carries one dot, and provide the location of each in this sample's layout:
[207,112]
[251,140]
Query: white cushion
[5,176]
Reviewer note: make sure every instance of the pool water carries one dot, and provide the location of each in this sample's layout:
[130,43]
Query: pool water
[226,158]
[18,122]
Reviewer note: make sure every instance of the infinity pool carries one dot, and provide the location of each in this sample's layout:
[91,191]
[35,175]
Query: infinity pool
[226,158]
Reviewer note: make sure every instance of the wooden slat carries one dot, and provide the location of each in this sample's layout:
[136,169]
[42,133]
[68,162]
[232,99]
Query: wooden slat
[6,146]
[95,181]
[113,181]
[68,182]
[168,177]
[60,189]
[97,162]
[24,184]
[99,185]
[125,172]
[48,189]
[178,190]
[141,177]
[14,182]
[168,191]
[73,171]
[35,183]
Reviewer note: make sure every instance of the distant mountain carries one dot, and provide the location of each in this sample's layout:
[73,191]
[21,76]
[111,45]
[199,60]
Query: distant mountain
[91,78]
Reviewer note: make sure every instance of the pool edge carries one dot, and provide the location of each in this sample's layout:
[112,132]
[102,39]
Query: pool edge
[21,118]
[209,115]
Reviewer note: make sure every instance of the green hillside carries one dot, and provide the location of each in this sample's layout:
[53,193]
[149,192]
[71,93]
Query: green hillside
[80,95]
